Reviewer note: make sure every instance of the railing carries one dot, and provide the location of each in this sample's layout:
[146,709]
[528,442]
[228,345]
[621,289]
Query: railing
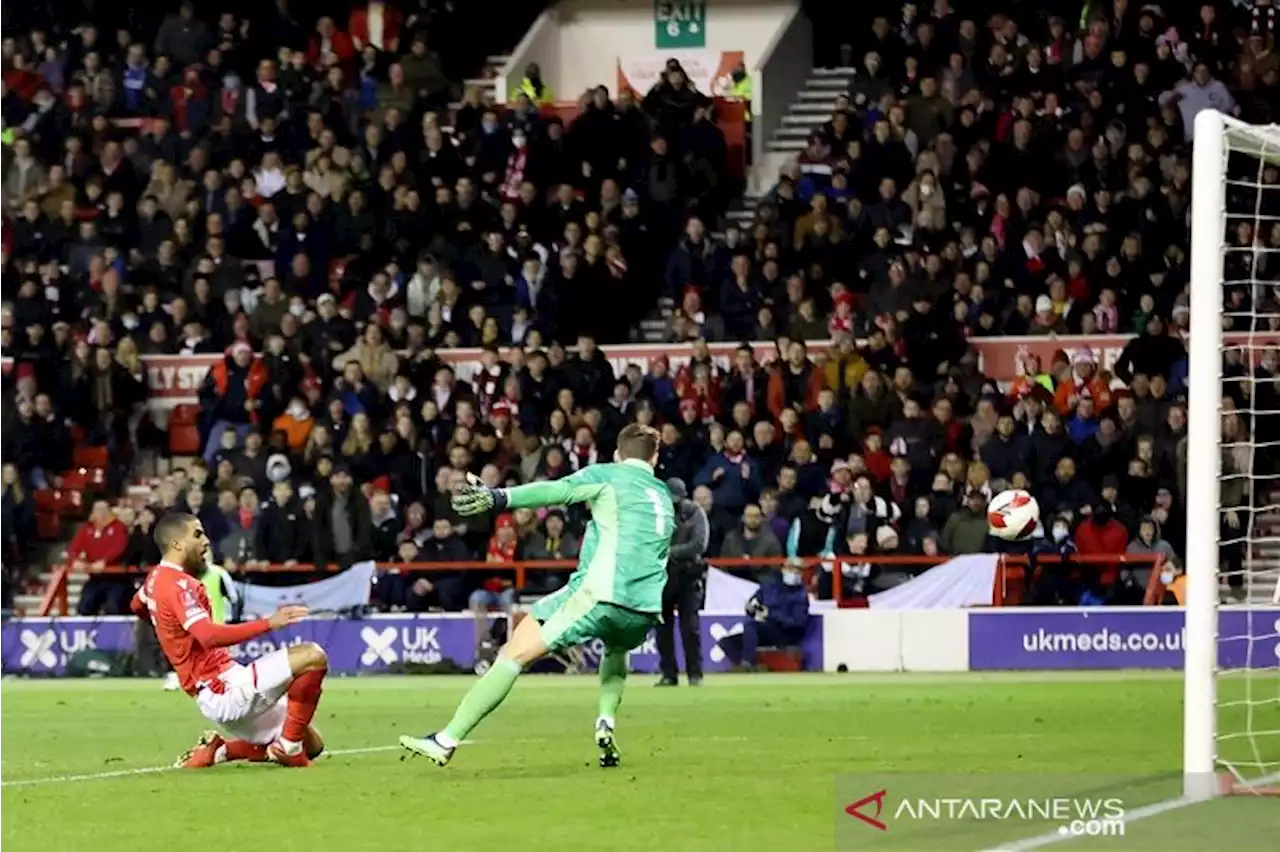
[1009,585]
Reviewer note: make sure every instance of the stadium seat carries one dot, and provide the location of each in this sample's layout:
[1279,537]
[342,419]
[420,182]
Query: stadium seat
[89,456]
[48,500]
[789,659]
[72,504]
[83,479]
[48,526]
[184,434]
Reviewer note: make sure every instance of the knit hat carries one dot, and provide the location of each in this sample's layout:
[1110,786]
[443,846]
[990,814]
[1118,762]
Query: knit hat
[278,467]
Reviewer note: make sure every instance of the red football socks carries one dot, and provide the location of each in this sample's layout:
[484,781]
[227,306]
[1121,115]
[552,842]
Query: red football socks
[304,695]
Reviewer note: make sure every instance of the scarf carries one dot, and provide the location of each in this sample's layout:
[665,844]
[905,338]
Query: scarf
[581,456]
[103,395]
[515,174]
[1108,318]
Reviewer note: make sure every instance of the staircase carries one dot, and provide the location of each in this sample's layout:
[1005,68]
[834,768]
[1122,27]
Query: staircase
[1263,581]
[28,603]
[493,66]
[811,109]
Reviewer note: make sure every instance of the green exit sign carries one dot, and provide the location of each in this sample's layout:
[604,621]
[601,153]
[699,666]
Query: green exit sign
[679,23]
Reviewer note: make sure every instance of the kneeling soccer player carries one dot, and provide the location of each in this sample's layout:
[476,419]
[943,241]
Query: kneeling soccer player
[615,595]
[266,707]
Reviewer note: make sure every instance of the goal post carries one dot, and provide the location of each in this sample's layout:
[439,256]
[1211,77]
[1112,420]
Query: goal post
[1231,722]
[1204,459]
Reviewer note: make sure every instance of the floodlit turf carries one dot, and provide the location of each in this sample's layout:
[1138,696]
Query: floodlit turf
[744,763]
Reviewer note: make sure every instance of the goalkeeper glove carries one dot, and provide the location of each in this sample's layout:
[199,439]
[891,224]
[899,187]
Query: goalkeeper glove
[475,498]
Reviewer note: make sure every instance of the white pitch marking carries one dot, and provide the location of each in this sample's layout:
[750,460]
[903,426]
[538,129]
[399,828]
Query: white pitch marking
[1135,815]
[152,770]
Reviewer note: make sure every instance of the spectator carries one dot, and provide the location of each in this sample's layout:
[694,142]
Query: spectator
[101,541]
[444,589]
[796,384]
[183,36]
[1100,534]
[752,539]
[553,542]
[231,397]
[732,476]
[779,617]
[343,527]
[238,548]
[966,530]
[283,534]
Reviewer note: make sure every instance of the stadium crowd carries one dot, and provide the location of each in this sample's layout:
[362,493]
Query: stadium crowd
[304,200]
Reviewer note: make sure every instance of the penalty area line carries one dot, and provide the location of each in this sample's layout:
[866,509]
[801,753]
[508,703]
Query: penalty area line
[155,770]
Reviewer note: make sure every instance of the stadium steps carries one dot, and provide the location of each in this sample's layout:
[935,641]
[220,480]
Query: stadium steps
[29,604]
[487,81]
[741,214]
[810,109]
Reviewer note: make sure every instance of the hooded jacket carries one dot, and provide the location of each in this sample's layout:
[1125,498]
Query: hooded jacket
[692,534]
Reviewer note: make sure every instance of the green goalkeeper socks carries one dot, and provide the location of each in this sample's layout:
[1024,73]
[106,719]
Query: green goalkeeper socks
[483,698]
[613,679]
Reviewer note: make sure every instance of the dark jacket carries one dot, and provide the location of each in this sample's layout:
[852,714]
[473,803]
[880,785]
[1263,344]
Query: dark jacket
[692,533]
[361,530]
[282,532]
[788,606]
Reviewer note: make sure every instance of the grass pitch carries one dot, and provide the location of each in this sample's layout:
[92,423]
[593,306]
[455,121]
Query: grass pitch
[745,763]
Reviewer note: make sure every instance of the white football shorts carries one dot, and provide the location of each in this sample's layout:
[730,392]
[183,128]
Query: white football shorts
[252,704]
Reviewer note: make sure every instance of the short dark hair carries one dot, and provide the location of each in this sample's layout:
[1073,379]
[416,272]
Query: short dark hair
[170,528]
[638,442]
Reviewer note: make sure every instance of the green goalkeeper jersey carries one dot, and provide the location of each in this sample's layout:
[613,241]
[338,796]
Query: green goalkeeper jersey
[623,560]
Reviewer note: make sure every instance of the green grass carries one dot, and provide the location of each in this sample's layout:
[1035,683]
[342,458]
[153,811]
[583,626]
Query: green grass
[745,763]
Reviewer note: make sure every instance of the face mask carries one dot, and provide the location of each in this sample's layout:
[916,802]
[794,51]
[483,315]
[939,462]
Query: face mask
[297,410]
[518,141]
[1166,576]
[489,126]
[790,578]
[129,321]
[926,190]
[1059,532]
[297,309]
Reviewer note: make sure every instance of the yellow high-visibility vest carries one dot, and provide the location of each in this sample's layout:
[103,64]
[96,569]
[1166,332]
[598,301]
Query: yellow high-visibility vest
[526,86]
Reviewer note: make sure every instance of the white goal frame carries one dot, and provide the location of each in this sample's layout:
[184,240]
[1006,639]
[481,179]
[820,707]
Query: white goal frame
[1213,133]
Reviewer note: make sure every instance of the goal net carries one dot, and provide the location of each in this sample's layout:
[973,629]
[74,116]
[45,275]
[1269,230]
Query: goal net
[1232,688]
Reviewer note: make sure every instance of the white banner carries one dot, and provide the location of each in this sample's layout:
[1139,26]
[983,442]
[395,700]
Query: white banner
[727,593]
[333,594]
[961,582]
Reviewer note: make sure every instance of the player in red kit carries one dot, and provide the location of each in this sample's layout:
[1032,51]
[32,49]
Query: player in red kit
[265,708]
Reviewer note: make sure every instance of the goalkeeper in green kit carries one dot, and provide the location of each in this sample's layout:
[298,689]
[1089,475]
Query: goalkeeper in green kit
[614,596]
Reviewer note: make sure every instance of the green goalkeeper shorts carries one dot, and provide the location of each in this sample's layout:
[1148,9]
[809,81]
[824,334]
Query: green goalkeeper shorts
[573,616]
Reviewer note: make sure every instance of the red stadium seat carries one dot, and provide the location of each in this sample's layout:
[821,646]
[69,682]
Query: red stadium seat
[84,479]
[184,434]
[48,526]
[73,505]
[86,456]
[48,500]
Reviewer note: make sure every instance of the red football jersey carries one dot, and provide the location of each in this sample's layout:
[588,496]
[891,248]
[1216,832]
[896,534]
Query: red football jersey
[176,601]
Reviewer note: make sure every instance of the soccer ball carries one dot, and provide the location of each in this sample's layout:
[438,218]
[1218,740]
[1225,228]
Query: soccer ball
[1013,515]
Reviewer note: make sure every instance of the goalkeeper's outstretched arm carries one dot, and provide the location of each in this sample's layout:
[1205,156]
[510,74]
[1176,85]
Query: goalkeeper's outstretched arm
[476,499]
